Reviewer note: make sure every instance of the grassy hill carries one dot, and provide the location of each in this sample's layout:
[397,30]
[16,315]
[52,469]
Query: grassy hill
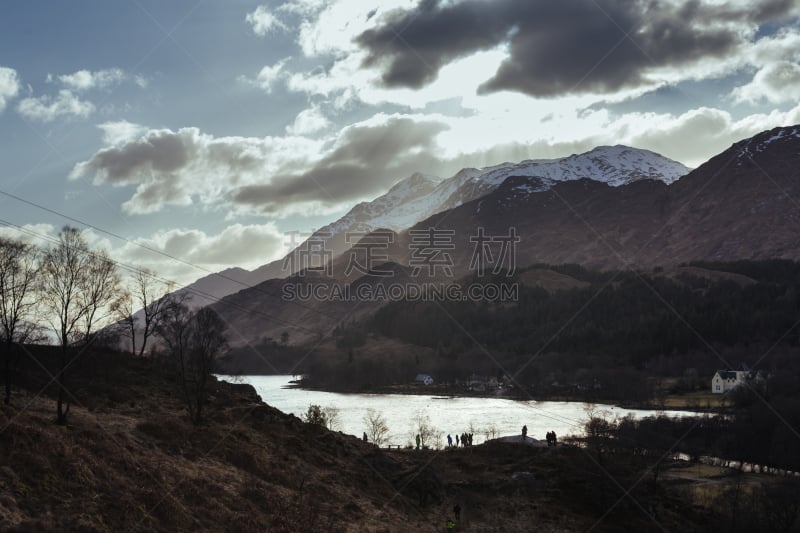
[130,460]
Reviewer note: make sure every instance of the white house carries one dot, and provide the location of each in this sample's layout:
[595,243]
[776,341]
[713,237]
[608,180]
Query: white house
[725,380]
[424,378]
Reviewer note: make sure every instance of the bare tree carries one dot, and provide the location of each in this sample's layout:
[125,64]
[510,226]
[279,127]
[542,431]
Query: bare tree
[597,429]
[127,321]
[147,296]
[377,428]
[422,427]
[331,415]
[18,270]
[209,341]
[101,288]
[78,287]
[490,431]
[175,329]
[194,340]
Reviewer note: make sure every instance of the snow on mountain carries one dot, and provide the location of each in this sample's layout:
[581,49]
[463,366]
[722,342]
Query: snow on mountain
[420,196]
[758,143]
[614,165]
[396,210]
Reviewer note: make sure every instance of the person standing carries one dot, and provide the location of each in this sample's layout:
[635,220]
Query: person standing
[418,441]
[365,436]
[449,441]
[524,432]
[457,511]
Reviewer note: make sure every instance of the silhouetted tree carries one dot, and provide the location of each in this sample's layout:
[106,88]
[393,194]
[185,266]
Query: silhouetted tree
[193,340]
[18,271]
[315,415]
[377,428]
[148,296]
[598,431]
[422,427]
[78,287]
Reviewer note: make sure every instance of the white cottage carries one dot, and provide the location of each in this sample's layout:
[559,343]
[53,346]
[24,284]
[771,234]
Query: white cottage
[726,380]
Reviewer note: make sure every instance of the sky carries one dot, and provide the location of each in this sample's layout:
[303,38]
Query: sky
[207,130]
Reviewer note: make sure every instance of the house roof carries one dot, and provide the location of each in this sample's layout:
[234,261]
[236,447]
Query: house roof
[727,374]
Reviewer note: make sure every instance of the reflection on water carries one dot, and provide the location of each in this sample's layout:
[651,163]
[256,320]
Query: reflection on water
[453,415]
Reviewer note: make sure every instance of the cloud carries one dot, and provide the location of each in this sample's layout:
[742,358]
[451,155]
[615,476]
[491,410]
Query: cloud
[677,136]
[333,35]
[298,173]
[268,76]
[555,48]
[303,7]
[777,82]
[66,103]
[365,160]
[9,85]
[120,131]
[36,234]
[187,166]
[272,175]
[247,246]
[308,121]
[263,22]
[83,80]
[47,108]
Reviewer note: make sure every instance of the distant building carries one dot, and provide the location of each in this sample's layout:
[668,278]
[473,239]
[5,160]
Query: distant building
[425,379]
[726,380]
[479,383]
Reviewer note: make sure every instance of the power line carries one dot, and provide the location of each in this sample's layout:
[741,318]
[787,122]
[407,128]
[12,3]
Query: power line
[134,269]
[158,252]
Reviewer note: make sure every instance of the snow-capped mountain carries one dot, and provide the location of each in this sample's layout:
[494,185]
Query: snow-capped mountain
[420,196]
[614,165]
[628,210]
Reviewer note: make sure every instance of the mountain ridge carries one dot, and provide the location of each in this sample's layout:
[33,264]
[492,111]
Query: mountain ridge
[420,196]
[719,211]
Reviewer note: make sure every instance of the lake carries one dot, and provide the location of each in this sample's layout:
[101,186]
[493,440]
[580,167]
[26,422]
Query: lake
[453,415]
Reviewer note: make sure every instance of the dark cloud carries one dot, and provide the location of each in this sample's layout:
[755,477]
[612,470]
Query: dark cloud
[563,46]
[171,167]
[366,160]
[160,151]
[178,167]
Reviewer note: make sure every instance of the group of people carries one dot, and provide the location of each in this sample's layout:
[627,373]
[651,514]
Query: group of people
[550,436]
[465,439]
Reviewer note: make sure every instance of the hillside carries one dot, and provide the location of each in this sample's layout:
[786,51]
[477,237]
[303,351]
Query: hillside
[129,460]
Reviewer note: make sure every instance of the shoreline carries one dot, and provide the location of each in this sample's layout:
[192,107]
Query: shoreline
[433,390]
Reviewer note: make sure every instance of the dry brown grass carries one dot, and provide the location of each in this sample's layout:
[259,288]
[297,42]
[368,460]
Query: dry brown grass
[135,463]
